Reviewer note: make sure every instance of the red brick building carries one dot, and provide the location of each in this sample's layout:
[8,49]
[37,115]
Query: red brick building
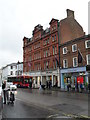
[43,53]
[74,57]
[40,54]
[72,42]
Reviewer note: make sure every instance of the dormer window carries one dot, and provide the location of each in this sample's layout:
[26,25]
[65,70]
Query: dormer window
[65,50]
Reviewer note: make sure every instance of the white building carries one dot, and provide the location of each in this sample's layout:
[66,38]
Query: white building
[12,69]
[0,76]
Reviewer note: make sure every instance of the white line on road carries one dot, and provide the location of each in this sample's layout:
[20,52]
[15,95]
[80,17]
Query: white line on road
[52,115]
[57,115]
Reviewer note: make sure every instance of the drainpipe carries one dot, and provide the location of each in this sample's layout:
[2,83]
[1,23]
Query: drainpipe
[58,24]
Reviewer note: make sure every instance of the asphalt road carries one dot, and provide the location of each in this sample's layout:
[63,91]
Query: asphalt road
[47,104]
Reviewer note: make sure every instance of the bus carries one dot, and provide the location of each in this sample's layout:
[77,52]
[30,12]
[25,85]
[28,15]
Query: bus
[20,81]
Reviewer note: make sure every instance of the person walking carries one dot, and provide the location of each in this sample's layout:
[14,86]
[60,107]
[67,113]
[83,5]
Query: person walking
[56,85]
[46,84]
[5,92]
[81,87]
[89,88]
[40,88]
[49,84]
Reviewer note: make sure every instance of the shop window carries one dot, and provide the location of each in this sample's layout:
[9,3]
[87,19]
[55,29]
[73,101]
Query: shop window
[88,59]
[65,63]
[75,62]
[74,48]
[65,50]
[87,44]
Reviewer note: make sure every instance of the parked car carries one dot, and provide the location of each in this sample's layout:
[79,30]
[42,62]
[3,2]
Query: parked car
[13,87]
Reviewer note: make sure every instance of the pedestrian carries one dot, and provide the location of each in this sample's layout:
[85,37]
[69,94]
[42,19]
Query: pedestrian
[77,87]
[30,85]
[88,87]
[81,87]
[56,83]
[46,84]
[67,87]
[49,84]
[40,82]
[40,88]
[5,92]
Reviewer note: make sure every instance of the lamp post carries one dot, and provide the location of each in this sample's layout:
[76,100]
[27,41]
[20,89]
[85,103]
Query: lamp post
[59,66]
[18,67]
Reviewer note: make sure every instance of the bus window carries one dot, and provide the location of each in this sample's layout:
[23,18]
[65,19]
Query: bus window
[26,80]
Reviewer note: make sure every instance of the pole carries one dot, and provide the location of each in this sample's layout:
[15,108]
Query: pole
[18,67]
[59,49]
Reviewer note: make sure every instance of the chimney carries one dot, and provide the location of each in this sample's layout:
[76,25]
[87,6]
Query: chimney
[70,14]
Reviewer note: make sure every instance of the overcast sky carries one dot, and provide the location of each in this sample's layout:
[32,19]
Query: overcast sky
[19,17]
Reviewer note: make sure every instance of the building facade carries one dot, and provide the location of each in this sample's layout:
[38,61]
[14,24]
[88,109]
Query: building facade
[12,69]
[43,53]
[40,54]
[75,56]
[0,76]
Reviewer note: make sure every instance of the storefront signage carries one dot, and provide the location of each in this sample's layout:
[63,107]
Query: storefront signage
[48,72]
[71,70]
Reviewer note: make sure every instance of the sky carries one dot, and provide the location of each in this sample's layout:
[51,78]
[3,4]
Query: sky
[19,17]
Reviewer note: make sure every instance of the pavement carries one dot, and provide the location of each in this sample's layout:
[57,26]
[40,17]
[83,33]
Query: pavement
[48,104]
[64,90]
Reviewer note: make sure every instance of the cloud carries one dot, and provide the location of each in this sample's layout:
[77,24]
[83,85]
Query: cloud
[19,17]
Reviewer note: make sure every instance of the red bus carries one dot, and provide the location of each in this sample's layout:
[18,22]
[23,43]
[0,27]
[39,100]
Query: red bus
[20,81]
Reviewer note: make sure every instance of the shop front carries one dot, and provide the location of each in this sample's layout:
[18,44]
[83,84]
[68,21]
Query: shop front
[45,77]
[74,78]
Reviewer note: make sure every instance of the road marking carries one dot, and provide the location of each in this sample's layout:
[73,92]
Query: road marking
[54,115]
[85,116]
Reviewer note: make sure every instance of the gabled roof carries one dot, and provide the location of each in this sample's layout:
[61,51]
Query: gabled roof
[53,20]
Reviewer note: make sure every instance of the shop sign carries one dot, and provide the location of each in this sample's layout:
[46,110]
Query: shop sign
[72,70]
[48,72]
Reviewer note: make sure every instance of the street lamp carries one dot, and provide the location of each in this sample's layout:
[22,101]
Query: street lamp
[18,66]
